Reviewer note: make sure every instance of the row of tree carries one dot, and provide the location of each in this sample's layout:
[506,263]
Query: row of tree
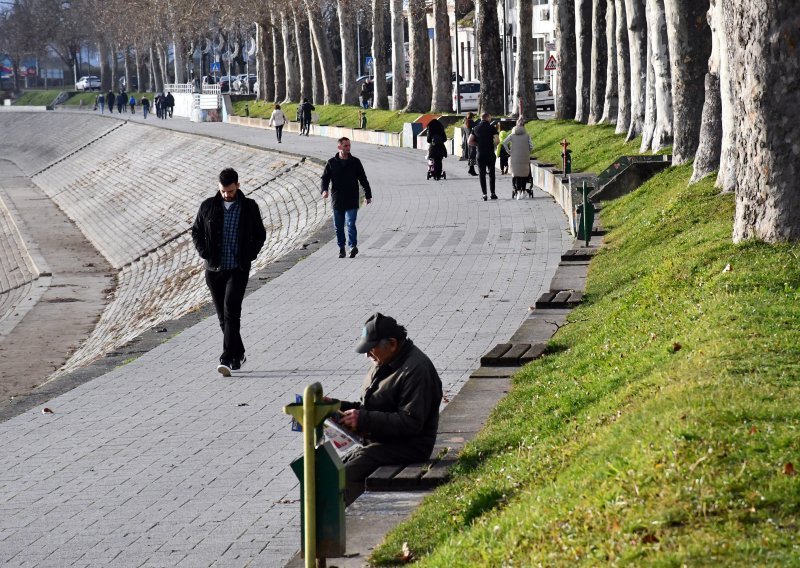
[303,47]
[719,80]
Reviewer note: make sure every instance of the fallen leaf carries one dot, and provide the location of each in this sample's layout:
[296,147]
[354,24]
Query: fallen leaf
[788,469]
[46,410]
[752,430]
[676,347]
[649,539]
[405,554]
[242,404]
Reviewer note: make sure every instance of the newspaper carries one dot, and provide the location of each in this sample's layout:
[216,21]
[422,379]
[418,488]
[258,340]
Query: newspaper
[343,439]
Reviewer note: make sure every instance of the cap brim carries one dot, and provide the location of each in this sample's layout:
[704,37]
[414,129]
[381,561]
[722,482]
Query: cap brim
[363,346]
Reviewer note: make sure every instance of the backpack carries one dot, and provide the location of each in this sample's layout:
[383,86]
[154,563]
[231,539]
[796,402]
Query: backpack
[132,101]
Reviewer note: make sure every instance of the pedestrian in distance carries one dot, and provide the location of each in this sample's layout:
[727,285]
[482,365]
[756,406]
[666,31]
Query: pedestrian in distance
[145,102]
[121,101]
[110,99]
[484,139]
[158,102]
[437,151]
[132,102]
[100,101]
[341,178]
[278,119]
[467,150]
[519,147]
[169,103]
[305,116]
[398,414]
[228,233]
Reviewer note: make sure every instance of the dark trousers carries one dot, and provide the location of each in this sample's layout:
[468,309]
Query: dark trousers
[486,163]
[279,131]
[227,291]
[360,463]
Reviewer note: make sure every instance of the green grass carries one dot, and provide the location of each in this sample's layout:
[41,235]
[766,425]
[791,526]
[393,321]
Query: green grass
[657,429]
[37,97]
[333,115]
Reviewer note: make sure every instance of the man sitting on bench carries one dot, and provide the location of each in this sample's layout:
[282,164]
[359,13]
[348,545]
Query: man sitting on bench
[398,414]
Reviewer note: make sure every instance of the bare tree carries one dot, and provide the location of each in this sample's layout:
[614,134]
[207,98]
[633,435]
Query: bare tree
[291,63]
[420,65]
[346,10]
[279,63]
[564,18]
[398,56]
[726,179]
[524,94]
[305,53]
[637,46]
[265,58]
[327,67]
[380,97]
[442,59]
[489,61]
[623,69]
[599,61]
[649,125]
[583,54]
[611,99]
[766,80]
[317,87]
[689,47]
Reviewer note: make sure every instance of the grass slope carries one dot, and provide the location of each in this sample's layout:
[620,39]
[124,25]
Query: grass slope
[658,428]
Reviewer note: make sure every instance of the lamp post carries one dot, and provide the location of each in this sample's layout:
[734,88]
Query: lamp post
[458,66]
[359,18]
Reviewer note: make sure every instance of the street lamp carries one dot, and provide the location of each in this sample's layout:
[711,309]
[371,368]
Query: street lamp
[359,18]
[458,66]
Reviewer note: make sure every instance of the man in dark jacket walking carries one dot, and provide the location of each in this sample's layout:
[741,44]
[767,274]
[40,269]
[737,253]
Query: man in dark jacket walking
[398,414]
[485,143]
[305,109]
[228,234]
[342,174]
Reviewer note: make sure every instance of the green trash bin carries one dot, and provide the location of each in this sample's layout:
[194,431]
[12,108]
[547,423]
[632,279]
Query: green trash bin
[329,498]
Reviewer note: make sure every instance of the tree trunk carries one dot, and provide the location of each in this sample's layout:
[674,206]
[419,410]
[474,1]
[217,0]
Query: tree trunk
[524,96]
[637,45]
[689,47]
[764,48]
[420,64]
[305,52]
[291,64]
[611,99]
[137,61]
[179,48]
[380,98]
[105,70]
[155,77]
[489,61]
[112,57]
[280,65]
[726,179]
[266,76]
[442,59]
[317,87]
[347,17]
[708,150]
[399,97]
[649,125]
[657,36]
[327,66]
[564,18]
[599,61]
[623,69]
[162,65]
[583,54]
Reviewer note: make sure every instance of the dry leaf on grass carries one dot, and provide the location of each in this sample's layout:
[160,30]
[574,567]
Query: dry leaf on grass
[788,469]
[405,554]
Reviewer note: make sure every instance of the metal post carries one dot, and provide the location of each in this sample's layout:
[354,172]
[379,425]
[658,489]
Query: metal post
[358,39]
[458,69]
[309,474]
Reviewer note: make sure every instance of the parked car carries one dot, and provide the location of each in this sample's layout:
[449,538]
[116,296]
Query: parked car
[244,85]
[225,83]
[544,96]
[88,83]
[469,92]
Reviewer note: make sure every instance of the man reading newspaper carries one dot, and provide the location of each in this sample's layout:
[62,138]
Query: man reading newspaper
[398,413]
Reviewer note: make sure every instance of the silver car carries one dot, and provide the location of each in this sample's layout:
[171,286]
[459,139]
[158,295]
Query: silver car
[88,83]
[544,96]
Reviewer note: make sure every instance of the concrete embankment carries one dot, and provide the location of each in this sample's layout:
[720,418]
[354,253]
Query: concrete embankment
[133,190]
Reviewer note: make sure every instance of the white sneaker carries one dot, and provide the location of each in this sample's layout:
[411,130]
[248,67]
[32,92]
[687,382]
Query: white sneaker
[224,369]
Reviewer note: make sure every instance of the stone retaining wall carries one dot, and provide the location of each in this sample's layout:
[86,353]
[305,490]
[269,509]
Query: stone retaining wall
[377,137]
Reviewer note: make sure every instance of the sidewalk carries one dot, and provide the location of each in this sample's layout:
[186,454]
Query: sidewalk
[161,462]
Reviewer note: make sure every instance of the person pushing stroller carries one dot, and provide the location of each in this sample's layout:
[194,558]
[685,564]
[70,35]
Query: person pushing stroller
[519,147]
[437,151]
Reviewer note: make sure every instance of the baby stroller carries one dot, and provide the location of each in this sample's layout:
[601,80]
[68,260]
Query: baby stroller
[436,153]
[521,186]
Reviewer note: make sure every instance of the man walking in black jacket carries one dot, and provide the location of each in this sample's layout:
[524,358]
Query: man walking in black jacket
[228,234]
[398,414]
[485,134]
[342,174]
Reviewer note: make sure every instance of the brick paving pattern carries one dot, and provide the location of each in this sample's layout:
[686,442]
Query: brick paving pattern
[162,462]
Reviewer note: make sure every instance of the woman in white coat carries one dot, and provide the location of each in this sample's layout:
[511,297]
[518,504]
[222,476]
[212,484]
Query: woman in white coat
[278,119]
[519,147]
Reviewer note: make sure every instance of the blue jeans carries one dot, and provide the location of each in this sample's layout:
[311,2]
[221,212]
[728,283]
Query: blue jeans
[342,218]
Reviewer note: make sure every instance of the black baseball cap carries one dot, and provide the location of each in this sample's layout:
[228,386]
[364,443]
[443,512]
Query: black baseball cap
[377,327]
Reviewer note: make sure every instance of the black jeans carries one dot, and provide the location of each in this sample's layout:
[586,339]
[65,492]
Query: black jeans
[227,291]
[279,131]
[486,163]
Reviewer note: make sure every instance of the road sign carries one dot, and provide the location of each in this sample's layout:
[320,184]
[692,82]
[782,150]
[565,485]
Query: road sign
[214,66]
[551,64]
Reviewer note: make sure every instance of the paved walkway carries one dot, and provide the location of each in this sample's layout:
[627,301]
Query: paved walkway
[164,463]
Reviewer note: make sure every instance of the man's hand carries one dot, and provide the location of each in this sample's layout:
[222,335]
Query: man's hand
[369,201]
[349,419]
[324,195]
